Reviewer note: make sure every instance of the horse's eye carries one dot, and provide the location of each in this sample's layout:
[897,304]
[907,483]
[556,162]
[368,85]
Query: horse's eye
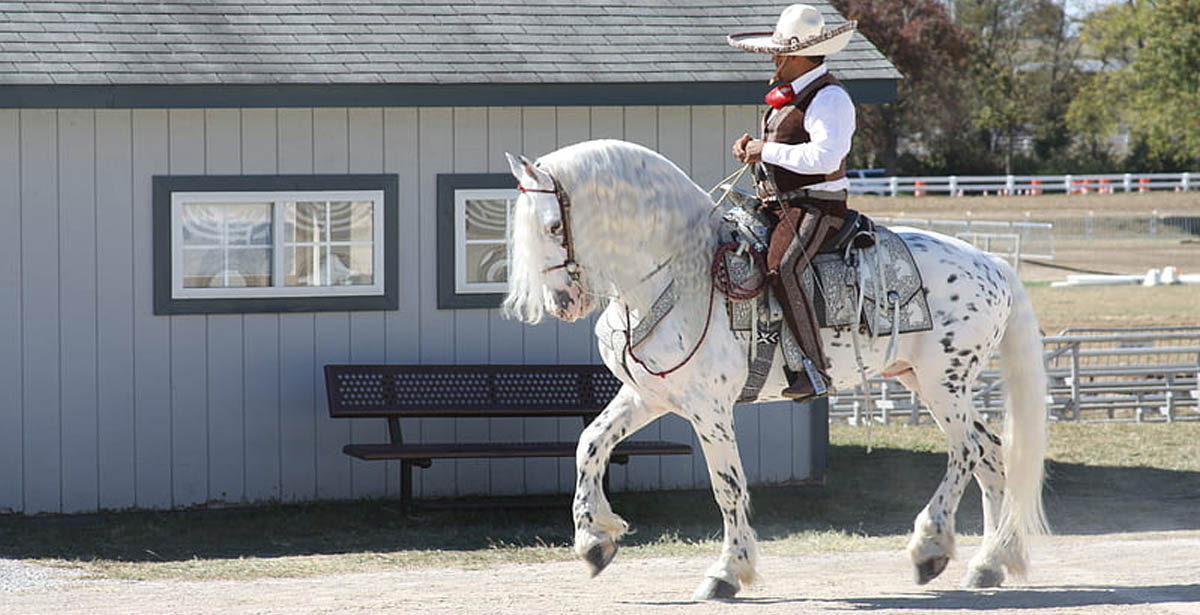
[555,228]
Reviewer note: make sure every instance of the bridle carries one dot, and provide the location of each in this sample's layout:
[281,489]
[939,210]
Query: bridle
[564,215]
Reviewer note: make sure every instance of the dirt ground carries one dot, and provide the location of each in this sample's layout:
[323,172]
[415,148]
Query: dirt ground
[1143,573]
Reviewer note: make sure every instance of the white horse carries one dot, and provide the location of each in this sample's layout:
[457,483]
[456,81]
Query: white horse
[613,221]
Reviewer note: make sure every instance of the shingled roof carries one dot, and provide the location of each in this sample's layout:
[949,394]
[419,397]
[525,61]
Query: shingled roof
[407,42]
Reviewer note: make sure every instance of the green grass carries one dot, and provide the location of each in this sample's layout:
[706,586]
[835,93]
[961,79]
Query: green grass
[1120,477]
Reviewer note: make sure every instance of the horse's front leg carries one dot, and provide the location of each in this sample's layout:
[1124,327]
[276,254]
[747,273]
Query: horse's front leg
[739,553]
[597,527]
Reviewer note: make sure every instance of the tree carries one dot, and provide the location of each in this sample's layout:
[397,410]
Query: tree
[930,51]
[1150,85]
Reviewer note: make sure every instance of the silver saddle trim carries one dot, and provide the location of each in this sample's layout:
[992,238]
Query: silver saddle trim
[901,283]
[658,310]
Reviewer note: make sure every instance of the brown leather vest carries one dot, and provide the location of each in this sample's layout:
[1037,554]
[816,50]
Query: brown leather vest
[787,126]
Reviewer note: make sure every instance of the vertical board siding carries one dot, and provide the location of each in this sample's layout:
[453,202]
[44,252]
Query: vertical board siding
[331,154]
[12,433]
[297,350]
[116,462]
[472,476]
[77,291]
[226,335]
[190,454]
[368,333]
[152,334]
[435,155]
[261,376]
[104,405]
[41,369]
[506,337]
[403,325]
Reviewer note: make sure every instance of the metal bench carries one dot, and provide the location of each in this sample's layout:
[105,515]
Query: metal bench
[394,392]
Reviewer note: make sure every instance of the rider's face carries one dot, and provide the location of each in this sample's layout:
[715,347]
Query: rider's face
[787,68]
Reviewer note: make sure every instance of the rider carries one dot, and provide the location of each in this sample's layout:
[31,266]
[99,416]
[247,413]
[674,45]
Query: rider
[800,167]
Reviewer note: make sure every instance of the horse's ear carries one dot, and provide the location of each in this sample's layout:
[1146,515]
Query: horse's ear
[521,167]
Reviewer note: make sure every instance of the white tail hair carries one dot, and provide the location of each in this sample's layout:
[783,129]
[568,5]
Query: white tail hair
[1022,515]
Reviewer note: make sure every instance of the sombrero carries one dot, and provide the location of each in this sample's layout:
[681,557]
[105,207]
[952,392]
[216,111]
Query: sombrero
[800,32]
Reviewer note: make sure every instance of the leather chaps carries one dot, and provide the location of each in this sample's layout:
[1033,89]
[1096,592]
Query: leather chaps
[802,226]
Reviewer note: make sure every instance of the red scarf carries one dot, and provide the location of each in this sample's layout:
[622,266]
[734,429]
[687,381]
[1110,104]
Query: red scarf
[779,97]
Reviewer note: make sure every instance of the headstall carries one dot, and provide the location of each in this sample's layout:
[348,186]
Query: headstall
[564,214]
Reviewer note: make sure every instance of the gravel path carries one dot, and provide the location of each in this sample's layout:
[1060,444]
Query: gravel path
[18,576]
[1128,574]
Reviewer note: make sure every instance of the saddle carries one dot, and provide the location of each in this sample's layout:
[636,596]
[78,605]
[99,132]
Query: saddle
[864,275]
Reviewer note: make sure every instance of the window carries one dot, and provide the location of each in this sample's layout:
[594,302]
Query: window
[473,234]
[277,243]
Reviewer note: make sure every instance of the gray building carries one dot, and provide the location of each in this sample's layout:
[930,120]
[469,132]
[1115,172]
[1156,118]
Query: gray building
[161,341]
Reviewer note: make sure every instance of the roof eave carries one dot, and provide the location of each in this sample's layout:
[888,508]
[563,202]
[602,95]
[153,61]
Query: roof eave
[138,96]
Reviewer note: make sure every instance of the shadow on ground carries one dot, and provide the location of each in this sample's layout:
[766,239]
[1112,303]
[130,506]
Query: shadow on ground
[877,494]
[1010,600]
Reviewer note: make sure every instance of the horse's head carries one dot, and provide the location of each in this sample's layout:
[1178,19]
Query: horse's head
[542,275]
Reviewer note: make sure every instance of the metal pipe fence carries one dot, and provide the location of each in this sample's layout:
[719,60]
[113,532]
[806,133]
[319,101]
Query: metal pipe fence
[1093,375]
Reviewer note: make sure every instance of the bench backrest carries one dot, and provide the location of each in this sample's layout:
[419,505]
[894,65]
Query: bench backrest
[468,390]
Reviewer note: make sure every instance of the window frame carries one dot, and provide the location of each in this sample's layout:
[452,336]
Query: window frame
[451,225]
[172,190]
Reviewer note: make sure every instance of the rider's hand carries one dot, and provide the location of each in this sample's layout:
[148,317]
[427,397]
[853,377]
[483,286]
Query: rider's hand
[747,150]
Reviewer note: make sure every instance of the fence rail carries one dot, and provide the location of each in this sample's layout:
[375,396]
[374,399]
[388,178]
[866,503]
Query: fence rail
[1092,375]
[962,185]
[1012,239]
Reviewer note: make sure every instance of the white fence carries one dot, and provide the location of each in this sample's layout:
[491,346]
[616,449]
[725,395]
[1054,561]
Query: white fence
[1092,375]
[1011,239]
[956,185]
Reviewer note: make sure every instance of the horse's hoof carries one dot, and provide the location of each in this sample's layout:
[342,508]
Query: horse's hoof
[929,569]
[600,556]
[716,589]
[980,578]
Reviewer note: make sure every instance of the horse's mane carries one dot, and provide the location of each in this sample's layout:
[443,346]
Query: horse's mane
[631,208]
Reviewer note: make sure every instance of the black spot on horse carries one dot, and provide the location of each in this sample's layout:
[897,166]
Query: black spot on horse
[954,297]
[951,279]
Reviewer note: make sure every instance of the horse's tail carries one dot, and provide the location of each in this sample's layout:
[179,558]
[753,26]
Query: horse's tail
[1022,515]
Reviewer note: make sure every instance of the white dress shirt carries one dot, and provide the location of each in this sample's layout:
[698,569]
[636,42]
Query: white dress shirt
[830,124]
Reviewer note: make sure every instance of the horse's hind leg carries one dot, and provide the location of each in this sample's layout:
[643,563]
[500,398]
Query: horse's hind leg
[739,553]
[597,527]
[933,543]
[987,568]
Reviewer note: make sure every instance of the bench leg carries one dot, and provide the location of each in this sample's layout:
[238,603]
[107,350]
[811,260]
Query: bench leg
[406,469]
